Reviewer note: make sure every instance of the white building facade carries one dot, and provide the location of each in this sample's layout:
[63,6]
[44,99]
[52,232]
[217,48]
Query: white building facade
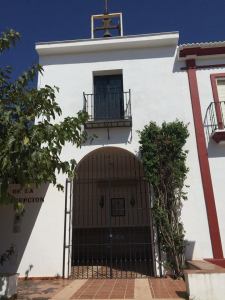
[159,81]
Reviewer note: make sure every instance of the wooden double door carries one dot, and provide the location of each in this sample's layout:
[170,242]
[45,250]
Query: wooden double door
[112,227]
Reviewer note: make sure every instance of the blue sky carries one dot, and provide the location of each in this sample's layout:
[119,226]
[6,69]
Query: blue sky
[49,20]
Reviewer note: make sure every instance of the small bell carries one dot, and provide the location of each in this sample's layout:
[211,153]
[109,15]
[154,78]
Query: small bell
[108,25]
[107,33]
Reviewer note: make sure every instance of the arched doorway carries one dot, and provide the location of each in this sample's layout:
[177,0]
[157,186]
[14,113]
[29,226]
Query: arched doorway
[112,227]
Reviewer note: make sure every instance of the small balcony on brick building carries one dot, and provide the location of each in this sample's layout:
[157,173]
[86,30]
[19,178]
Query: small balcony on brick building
[214,121]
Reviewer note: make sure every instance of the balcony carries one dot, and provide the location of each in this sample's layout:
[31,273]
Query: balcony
[107,110]
[214,121]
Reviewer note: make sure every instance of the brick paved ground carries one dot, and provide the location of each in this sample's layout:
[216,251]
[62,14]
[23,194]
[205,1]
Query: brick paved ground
[106,289]
[140,289]
[167,288]
[40,289]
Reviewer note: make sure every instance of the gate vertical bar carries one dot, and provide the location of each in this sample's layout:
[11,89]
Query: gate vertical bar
[109,216]
[67,230]
[64,237]
[69,258]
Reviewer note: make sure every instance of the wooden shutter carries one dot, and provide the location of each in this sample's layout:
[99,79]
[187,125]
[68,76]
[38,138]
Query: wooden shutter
[108,99]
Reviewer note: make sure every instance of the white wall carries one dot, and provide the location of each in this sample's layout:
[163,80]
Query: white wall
[159,92]
[205,286]
[39,243]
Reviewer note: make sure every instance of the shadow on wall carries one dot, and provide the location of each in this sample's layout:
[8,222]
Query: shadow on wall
[178,65]
[30,267]
[189,249]
[18,235]
[106,56]
[216,150]
[104,136]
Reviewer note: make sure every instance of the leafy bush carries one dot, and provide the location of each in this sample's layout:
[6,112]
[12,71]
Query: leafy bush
[164,161]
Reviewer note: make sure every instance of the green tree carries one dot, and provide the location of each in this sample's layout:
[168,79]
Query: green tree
[31,140]
[164,161]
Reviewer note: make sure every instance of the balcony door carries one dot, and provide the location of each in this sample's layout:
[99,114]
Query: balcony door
[108,97]
[221,88]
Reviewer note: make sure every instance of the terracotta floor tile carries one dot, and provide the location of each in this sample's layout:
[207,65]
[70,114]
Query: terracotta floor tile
[91,289]
[101,293]
[167,288]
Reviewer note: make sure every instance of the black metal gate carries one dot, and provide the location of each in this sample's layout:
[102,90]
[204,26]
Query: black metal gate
[112,228]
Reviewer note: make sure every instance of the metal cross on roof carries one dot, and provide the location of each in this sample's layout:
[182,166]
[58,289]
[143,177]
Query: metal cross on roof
[110,22]
[106,7]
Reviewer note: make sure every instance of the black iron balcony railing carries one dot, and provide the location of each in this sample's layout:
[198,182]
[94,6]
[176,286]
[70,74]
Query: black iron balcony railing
[109,109]
[214,120]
